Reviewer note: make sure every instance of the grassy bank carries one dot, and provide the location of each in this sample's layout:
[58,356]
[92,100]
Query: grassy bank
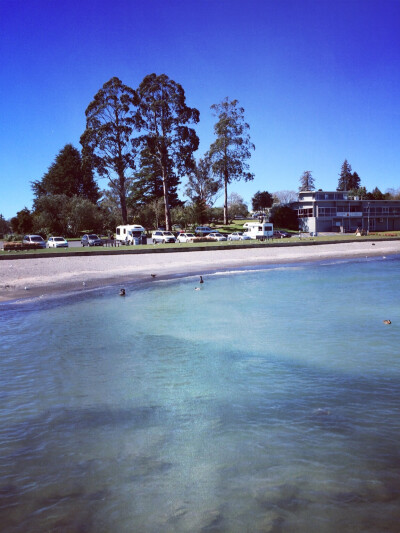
[162,248]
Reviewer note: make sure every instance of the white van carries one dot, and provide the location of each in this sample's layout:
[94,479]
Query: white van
[131,234]
[259,230]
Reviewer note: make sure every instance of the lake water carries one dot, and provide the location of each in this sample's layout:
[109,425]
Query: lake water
[267,401]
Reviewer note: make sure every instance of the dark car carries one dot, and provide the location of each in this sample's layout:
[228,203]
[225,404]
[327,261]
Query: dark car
[91,240]
[281,235]
[34,240]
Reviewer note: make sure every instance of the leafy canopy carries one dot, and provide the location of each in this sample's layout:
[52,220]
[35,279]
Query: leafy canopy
[108,139]
[163,118]
[261,201]
[68,176]
[232,148]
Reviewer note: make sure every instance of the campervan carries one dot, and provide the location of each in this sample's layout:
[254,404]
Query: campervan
[131,234]
[259,230]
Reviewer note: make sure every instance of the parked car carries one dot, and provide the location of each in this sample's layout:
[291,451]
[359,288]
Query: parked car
[238,236]
[202,230]
[162,236]
[281,235]
[91,240]
[216,236]
[57,242]
[35,240]
[186,237]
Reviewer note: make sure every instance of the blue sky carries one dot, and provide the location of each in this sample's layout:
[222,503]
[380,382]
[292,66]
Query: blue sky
[319,81]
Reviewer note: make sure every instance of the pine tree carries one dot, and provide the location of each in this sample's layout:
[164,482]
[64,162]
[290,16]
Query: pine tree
[232,148]
[307,181]
[345,177]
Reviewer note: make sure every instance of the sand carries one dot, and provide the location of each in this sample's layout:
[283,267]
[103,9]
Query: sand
[27,278]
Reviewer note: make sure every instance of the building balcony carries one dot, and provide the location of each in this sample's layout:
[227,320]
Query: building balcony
[349,214]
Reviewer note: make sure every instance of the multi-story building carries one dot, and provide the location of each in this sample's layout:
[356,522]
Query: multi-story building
[340,212]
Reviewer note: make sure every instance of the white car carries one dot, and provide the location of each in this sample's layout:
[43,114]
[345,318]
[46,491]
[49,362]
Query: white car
[57,242]
[238,236]
[216,236]
[186,237]
[162,236]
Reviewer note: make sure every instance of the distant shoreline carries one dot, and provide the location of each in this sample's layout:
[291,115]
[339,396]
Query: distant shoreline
[58,275]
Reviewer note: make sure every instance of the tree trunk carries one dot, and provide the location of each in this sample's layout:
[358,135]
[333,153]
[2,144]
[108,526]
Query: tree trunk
[226,202]
[122,197]
[166,202]
[124,212]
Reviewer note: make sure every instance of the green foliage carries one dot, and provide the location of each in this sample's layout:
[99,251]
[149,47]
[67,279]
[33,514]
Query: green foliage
[50,214]
[232,148]
[67,176]
[261,201]
[148,184]
[217,214]
[185,216]
[283,216]
[107,141]
[23,222]
[110,209]
[348,180]
[376,194]
[59,215]
[307,181]
[81,214]
[5,226]
[167,140]
[361,193]
[201,184]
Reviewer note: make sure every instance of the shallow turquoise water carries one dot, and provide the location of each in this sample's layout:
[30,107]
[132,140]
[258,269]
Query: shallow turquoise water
[267,401]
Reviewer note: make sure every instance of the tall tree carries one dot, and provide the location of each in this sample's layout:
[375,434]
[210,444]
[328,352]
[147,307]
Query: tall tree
[22,222]
[4,225]
[68,176]
[307,181]
[232,148]
[108,139]
[345,177]
[376,194]
[355,181]
[163,117]
[261,201]
[284,216]
[202,186]
[148,184]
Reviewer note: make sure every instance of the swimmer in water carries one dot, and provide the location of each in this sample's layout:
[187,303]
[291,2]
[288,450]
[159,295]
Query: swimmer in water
[122,292]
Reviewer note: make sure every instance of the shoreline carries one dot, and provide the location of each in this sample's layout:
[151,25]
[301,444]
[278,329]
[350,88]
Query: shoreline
[58,275]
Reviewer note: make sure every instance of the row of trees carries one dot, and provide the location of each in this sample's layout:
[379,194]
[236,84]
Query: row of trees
[150,128]
[142,142]
[349,181]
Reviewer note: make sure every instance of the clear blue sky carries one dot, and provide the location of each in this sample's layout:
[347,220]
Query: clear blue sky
[319,81]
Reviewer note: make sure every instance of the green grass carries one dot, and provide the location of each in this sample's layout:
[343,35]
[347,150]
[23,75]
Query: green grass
[293,241]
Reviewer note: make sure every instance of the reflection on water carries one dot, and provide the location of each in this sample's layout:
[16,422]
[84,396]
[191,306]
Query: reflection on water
[266,402]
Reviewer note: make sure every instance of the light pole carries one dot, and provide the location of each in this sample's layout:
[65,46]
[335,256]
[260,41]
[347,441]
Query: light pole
[368,207]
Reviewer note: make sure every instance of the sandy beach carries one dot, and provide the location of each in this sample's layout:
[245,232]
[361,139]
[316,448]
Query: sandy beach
[33,277]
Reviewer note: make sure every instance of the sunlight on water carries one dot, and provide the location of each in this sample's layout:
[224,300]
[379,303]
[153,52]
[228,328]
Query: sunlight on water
[268,401]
